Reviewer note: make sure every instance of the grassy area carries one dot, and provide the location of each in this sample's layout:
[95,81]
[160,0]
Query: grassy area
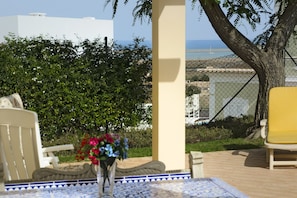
[217,145]
[221,135]
[223,145]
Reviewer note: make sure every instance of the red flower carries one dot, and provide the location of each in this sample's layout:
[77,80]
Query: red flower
[84,141]
[94,141]
[95,151]
[93,159]
[109,138]
[80,156]
[100,148]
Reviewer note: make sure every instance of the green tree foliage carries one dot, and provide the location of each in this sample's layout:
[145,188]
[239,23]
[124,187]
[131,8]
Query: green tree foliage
[201,77]
[76,88]
[192,89]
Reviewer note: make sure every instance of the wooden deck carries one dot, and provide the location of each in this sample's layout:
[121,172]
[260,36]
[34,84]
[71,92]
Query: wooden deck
[248,171]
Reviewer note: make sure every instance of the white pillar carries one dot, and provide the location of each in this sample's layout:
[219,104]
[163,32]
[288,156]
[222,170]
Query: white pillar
[196,162]
[169,82]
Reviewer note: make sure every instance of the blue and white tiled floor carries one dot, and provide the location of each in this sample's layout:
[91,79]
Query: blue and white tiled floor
[165,185]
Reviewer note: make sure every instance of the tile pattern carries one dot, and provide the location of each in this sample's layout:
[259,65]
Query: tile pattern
[151,178]
[203,187]
[164,185]
[65,183]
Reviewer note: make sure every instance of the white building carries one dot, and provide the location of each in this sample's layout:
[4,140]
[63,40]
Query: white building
[38,24]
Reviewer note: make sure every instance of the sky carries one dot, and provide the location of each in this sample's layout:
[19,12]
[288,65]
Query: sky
[197,27]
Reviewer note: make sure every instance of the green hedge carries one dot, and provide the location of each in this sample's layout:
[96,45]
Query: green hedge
[88,87]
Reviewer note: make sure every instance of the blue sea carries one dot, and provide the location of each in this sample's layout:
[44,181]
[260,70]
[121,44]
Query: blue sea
[198,49]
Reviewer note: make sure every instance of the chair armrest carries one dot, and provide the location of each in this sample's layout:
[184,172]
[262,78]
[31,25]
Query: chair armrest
[49,157]
[58,148]
[263,124]
[48,161]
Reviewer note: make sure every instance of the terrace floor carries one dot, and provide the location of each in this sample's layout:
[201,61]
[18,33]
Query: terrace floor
[246,170]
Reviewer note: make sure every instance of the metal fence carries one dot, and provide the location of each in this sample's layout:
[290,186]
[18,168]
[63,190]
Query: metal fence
[229,87]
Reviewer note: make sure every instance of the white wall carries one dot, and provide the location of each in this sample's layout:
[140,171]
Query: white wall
[75,29]
[231,77]
[8,25]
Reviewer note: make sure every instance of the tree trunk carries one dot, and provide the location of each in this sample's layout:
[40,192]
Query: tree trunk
[271,74]
[270,68]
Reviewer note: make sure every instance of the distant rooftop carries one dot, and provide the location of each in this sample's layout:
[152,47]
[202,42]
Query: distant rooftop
[230,63]
[37,14]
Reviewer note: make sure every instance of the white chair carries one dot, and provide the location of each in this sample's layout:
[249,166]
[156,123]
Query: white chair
[21,150]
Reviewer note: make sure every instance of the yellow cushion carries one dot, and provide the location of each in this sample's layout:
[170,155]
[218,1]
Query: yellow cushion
[285,137]
[282,115]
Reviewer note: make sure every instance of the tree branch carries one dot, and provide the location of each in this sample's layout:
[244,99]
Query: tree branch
[235,40]
[284,28]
